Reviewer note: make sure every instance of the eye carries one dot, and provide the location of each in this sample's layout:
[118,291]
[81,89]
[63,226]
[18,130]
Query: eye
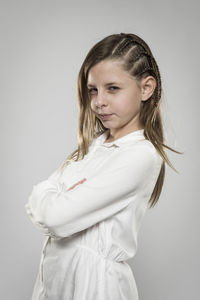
[114,87]
[90,90]
[93,90]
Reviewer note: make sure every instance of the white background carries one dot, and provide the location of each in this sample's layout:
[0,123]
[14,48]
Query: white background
[43,44]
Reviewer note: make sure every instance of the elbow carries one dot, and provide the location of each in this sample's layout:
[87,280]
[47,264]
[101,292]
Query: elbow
[42,222]
[43,201]
[36,218]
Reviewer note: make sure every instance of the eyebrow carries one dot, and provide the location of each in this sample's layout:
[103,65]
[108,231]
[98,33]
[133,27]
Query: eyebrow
[106,84]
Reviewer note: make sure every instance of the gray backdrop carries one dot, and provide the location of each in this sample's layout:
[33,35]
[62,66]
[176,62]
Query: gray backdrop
[43,44]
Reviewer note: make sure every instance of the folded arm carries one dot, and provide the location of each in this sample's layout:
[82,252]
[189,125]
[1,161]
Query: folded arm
[61,212]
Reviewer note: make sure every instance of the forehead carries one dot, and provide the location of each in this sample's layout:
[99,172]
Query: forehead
[107,70]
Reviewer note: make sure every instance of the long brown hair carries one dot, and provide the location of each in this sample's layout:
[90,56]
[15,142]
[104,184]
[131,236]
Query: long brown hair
[138,60]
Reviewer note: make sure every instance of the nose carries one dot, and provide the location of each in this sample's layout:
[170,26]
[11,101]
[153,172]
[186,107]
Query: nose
[101,99]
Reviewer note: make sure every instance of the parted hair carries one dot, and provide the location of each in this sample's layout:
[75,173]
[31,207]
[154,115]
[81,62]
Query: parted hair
[138,60]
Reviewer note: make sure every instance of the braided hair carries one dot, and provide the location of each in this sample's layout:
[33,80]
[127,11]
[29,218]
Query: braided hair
[138,60]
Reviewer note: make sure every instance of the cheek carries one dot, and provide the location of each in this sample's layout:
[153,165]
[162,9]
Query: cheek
[124,105]
[92,104]
[121,108]
[128,108]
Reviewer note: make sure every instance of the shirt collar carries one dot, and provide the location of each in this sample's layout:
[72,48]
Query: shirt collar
[135,135]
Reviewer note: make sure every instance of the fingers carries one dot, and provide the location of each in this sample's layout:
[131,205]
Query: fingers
[79,182]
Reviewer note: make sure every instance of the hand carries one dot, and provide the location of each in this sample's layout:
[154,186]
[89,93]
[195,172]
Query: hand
[79,182]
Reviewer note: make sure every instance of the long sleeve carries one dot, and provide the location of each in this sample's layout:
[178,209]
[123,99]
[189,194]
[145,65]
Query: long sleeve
[115,185]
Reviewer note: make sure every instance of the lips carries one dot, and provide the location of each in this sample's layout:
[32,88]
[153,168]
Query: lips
[105,115]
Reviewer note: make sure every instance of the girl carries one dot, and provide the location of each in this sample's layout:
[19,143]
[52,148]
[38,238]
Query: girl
[91,207]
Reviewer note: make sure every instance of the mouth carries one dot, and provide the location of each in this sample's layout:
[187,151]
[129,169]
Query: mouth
[105,116]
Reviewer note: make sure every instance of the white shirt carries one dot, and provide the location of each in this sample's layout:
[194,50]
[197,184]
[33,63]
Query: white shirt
[92,229]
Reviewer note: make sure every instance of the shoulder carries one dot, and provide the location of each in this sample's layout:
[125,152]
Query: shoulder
[140,153]
[143,147]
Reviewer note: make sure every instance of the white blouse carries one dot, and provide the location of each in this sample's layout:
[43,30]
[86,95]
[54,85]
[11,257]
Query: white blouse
[91,230]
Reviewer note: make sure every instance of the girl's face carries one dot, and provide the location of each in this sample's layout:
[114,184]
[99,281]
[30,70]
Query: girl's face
[113,91]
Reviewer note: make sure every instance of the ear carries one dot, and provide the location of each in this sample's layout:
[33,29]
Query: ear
[148,86]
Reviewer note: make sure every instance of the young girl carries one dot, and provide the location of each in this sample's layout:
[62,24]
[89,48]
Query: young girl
[91,207]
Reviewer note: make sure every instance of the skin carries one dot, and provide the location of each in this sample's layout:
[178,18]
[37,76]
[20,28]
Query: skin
[121,99]
[79,182]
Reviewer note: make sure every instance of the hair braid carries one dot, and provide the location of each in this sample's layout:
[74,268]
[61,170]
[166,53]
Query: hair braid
[138,60]
[122,47]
